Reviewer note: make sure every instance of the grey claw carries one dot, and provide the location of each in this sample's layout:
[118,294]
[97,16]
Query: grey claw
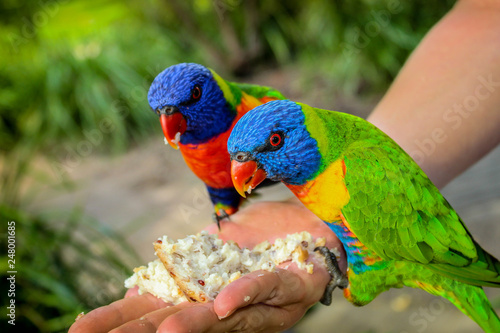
[338,278]
[217,218]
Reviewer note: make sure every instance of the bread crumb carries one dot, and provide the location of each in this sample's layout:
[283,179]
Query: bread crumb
[320,242]
[156,280]
[199,266]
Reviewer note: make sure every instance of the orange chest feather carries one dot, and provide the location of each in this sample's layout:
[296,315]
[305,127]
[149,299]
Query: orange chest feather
[210,160]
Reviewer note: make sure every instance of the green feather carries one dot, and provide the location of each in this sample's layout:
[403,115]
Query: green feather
[259,91]
[233,91]
[400,216]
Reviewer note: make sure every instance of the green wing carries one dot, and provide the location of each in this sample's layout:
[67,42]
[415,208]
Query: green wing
[396,211]
[258,91]
[233,91]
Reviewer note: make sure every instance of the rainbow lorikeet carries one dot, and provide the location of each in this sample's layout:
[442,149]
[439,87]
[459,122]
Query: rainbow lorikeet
[197,111]
[396,227]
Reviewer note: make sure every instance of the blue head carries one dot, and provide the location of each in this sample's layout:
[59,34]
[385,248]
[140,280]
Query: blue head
[274,139]
[190,102]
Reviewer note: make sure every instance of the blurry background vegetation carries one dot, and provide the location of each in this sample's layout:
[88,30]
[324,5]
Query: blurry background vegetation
[69,67]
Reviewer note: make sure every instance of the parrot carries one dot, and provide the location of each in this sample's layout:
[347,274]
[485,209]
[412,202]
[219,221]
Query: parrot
[197,111]
[397,229]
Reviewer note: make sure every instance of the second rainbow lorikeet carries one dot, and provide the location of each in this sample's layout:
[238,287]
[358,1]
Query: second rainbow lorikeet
[396,227]
[197,111]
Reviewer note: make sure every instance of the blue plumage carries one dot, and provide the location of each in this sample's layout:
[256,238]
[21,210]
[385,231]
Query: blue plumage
[225,196]
[252,134]
[210,116]
[197,110]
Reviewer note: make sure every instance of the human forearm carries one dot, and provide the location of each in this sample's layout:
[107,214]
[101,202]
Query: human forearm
[444,106]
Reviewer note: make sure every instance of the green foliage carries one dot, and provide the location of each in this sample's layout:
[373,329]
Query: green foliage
[65,264]
[73,67]
[357,48]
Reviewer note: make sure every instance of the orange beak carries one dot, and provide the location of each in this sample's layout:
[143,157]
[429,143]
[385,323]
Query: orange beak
[173,126]
[246,176]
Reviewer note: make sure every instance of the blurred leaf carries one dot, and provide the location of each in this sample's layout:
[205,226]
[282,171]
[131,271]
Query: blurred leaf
[66,263]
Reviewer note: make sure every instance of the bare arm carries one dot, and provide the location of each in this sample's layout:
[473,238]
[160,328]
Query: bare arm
[444,106]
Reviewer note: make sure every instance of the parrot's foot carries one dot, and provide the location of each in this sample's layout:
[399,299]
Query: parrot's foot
[219,217]
[338,278]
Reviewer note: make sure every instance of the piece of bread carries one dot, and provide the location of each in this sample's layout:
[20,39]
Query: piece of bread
[200,266]
[156,280]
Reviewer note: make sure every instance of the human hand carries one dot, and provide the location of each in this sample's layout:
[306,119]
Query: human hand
[270,220]
[258,301]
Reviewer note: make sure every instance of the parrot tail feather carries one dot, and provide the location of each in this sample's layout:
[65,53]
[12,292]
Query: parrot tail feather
[485,271]
[472,301]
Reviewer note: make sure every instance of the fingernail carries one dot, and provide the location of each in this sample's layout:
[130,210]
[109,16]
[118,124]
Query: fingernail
[230,312]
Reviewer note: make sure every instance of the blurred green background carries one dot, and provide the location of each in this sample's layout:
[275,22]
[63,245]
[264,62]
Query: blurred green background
[69,68]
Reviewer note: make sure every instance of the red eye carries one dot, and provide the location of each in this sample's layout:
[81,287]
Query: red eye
[196,92]
[275,139]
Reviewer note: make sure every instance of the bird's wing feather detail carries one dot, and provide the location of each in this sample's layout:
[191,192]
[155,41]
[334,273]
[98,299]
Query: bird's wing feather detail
[405,214]
[236,93]
[260,92]
[394,209]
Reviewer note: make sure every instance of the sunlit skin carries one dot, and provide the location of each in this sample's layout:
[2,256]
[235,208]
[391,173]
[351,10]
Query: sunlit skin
[430,93]
[248,227]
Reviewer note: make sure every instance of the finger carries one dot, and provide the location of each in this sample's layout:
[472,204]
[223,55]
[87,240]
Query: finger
[198,317]
[132,292]
[253,318]
[106,318]
[281,287]
[150,321]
